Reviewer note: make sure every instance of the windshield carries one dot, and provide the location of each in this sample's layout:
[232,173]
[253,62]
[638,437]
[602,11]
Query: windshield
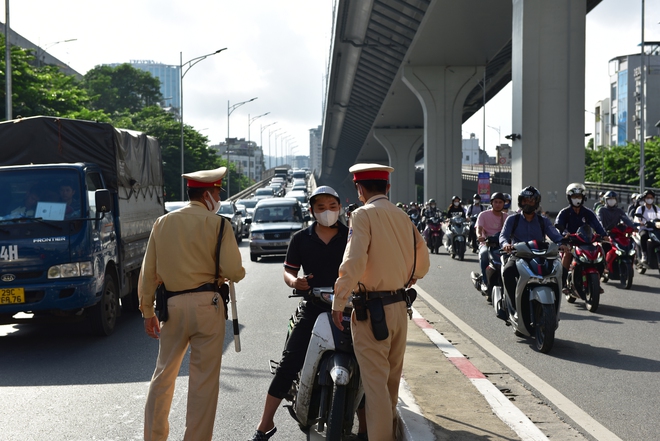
[49,194]
[249,203]
[277,213]
[226,209]
[264,192]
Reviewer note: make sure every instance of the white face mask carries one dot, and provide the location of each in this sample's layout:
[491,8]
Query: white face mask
[611,202]
[327,218]
[456,204]
[649,201]
[576,202]
[212,207]
[476,202]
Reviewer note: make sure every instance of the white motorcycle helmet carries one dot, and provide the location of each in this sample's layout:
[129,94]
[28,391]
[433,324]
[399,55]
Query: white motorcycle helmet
[576,189]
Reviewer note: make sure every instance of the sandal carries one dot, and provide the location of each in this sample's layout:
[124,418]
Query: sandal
[263,436]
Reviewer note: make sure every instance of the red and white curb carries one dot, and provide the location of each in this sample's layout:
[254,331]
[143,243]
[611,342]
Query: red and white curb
[502,407]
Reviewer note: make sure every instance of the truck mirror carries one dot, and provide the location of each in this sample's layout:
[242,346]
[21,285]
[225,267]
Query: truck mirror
[103,201]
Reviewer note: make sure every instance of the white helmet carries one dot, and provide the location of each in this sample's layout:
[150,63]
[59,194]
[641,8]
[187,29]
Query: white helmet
[324,189]
[576,189]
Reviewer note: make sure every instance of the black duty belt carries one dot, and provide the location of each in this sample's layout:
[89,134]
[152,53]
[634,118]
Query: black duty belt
[388,297]
[204,287]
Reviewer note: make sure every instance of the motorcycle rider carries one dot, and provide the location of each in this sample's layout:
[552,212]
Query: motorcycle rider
[473,210]
[456,207]
[647,211]
[634,204]
[573,217]
[318,250]
[431,209]
[599,202]
[489,223]
[610,216]
[507,203]
[523,227]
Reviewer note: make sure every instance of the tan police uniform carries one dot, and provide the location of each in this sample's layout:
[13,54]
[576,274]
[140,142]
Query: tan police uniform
[379,255]
[181,254]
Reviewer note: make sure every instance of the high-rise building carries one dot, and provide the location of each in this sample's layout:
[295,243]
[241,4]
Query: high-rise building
[246,156]
[626,95]
[169,77]
[315,150]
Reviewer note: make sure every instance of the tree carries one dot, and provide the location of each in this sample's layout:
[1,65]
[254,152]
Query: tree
[122,88]
[620,164]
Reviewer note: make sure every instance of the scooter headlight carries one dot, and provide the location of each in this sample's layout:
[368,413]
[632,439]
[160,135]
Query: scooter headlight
[599,259]
[632,252]
[340,375]
[619,252]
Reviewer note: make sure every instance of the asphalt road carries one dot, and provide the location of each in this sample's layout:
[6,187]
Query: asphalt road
[606,363]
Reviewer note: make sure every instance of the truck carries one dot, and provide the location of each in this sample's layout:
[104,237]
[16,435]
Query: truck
[78,200]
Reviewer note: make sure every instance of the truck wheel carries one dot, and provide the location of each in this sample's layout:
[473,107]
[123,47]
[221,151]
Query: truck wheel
[104,314]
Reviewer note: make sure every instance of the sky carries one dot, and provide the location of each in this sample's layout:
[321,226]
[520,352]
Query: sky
[277,50]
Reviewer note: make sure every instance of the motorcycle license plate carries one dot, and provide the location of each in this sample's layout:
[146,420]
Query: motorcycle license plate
[9,296]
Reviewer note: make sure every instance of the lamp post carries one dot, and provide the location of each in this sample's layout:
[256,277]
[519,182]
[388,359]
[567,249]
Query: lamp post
[270,132]
[230,110]
[276,136]
[42,51]
[261,142]
[284,140]
[182,73]
[250,121]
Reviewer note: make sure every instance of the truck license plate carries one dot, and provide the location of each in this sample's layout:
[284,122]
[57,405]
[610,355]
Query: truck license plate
[9,296]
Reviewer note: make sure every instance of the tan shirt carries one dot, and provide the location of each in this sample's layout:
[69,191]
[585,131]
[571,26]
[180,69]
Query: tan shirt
[379,252]
[181,253]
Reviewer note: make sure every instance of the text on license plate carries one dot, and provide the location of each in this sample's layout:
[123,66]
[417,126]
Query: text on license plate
[9,296]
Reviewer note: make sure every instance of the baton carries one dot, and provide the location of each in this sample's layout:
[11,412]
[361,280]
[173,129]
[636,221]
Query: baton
[234,317]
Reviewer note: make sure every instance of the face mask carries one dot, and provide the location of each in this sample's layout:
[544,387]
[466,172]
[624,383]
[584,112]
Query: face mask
[212,207]
[649,201]
[611,202]
[507,205]
[476,202]
[528,209]
[576,202]
[456,204]
[433,206]
[327,218]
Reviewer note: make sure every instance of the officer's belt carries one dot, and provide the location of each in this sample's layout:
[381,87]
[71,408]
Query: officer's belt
[387,297]
[205,287]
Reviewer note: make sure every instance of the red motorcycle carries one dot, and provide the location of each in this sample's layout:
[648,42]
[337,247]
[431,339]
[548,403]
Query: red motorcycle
[621,256]
[433,234]
[584,274]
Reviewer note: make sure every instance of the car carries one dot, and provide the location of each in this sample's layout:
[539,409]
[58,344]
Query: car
[174,205]
[275,221]
[264,193]
[299,187]
[299,174]
[246,217]
[301,196]
[228,210]
[278,190]
[248,204]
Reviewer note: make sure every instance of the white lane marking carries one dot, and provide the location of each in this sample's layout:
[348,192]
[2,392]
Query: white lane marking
[581,418]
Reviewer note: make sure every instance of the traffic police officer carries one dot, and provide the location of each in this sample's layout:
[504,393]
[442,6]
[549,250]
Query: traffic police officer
[378,263]
[181,255]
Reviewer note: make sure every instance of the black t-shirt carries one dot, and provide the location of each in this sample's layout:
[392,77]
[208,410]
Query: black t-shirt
[308,251]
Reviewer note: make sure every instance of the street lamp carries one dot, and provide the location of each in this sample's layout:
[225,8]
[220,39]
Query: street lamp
[261,142]
[41,51]
[230,110]
[190,64]
[270,132]
[276,136]
[283,148]
[250,121]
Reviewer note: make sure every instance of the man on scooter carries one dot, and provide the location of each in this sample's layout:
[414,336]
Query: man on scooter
[318,250]
[472,212]
[489,223]
[646,212]
[610,216]
[573,217]
[523,227]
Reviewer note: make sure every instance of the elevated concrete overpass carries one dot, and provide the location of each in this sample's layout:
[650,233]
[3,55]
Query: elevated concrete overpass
[405,75]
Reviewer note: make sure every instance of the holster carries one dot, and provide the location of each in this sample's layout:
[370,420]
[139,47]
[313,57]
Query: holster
[223,290]
[360,308]
[161,303]
[411,295]
[378,320]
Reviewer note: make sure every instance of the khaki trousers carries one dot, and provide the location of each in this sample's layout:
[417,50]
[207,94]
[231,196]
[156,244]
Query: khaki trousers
[381,363]
[193,322]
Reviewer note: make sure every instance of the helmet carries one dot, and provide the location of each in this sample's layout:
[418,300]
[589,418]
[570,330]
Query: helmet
[611,194]
[411,204]
[498,195]
[453,198]
[577,189]
[529,192]
[431,201]
[634,196]
[324,189]
[476,196]
[507,201]
[648,193]
[399,204]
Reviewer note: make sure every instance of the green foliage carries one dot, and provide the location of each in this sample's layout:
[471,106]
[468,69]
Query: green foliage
[620,164]
[121,89]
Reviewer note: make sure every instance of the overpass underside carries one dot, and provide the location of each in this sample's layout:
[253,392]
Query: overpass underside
[405,75]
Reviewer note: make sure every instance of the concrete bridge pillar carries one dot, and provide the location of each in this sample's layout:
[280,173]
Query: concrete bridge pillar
[401,146]
[442,91]
[548,97]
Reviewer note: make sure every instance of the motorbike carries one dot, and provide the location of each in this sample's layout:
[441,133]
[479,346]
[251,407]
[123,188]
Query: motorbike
[654,256]
[621,256]
[493,270]
[433,234]
[328,390]
[415,218]
[537,297]
[455,237]
[583,280]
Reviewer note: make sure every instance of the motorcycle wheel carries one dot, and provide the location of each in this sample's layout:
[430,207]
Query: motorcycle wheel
[625,276]
[593,294]
[545,321]
[569,298]
[337,410]
[461,251]
[640,268]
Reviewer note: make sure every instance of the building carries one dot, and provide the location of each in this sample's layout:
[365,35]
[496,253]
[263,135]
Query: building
[315,150]
[170,80]
[626,95]
[246,156]
[603,124]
